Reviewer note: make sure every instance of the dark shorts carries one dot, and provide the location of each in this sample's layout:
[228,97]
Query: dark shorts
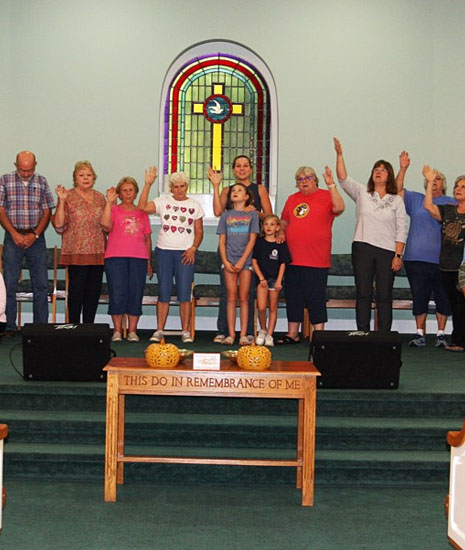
[306,286]
[425,283]
[270,280]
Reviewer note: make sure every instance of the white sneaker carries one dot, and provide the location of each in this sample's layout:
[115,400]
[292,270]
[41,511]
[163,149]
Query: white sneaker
[132,337]
[186,337]
[116,337]
[157,336]
[261,338]
[269,341]
[219,338]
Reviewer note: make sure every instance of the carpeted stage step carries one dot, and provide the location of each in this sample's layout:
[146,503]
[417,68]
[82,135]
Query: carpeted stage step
[79,462]
[345,403]
[279,432]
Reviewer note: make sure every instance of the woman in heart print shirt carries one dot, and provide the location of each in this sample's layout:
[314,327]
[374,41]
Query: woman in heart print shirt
[180,235]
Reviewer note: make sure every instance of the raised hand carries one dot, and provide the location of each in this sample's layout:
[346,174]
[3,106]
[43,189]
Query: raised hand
[428,173]
[151,175]
[337,146]
[111,195]
[214,176]
[404,160]
[328,176]
[61,192]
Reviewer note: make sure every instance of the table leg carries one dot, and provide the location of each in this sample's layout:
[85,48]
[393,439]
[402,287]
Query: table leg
[308,465]
[1,482]
[120,443]
[111,437]
[300,428]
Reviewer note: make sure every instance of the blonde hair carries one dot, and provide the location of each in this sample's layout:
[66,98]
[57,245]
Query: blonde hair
[127,179]
[83,164]
[270,217]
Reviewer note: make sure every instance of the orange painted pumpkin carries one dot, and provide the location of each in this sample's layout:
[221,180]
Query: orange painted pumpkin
[254,357]
[162,356]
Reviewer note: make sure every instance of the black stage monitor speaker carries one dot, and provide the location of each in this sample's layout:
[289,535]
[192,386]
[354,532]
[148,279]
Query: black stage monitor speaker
[356,359]
[66,351]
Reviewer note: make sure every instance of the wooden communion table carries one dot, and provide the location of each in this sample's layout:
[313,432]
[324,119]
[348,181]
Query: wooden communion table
[284,380]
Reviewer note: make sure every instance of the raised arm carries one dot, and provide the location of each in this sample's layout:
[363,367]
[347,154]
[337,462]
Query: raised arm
[150,177]
[219,198]
[338,201]
[429,204]
[404,163]
[105,220]
[341,171]
[265,200]
[59,218]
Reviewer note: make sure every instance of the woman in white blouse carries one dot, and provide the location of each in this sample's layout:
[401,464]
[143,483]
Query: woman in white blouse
[379,239]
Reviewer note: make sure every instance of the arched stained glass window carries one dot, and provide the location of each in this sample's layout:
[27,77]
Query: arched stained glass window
[218,101]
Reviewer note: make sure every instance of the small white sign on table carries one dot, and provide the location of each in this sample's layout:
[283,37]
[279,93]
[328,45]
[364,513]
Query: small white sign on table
[206,361]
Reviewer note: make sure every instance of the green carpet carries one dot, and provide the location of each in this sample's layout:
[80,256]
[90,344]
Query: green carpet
[72,516]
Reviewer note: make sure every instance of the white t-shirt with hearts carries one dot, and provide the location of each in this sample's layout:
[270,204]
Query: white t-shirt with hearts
[177,222]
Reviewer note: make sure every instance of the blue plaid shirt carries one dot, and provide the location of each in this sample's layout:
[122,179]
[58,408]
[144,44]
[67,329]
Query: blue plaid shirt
[25,204]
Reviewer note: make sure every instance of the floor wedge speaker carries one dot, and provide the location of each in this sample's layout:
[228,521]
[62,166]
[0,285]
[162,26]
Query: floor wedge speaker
[356,359]
[65,351]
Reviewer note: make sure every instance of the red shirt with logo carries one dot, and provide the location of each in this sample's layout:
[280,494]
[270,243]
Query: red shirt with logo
[309,228]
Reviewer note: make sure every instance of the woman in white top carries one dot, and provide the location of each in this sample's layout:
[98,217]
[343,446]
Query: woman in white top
[179,238]
[379,239]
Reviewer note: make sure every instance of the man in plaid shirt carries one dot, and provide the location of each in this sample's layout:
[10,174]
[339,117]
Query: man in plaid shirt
[25,207]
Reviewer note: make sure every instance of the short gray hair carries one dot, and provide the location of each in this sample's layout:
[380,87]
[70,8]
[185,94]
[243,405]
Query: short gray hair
[443,178]
[178,177]
[306,170]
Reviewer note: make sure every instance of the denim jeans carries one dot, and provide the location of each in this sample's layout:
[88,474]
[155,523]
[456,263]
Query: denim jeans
[36,259]
[169,265]
[126,282]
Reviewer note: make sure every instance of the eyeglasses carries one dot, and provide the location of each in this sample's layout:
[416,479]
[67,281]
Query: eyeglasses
[305,178]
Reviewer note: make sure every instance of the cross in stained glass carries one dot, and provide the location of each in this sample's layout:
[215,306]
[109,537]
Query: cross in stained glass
[217,109]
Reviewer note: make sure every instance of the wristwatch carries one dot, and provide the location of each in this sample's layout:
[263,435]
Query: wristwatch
[399,256]
[36,235]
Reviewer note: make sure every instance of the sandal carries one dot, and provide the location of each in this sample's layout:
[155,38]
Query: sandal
[285,340]
[228,341]
[455,348]
[244,341]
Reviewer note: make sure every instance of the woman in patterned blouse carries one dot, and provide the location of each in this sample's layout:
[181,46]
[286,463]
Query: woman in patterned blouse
[77,219]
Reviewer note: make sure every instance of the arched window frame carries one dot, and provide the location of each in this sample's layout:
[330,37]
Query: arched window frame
[215,47]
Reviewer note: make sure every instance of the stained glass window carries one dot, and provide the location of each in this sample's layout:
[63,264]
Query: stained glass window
[216,106]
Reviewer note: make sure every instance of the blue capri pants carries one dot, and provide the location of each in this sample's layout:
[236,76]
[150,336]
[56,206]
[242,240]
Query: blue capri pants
[126,282]
[169,265]
[426,282]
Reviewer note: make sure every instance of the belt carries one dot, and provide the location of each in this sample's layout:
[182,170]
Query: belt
[25,231]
